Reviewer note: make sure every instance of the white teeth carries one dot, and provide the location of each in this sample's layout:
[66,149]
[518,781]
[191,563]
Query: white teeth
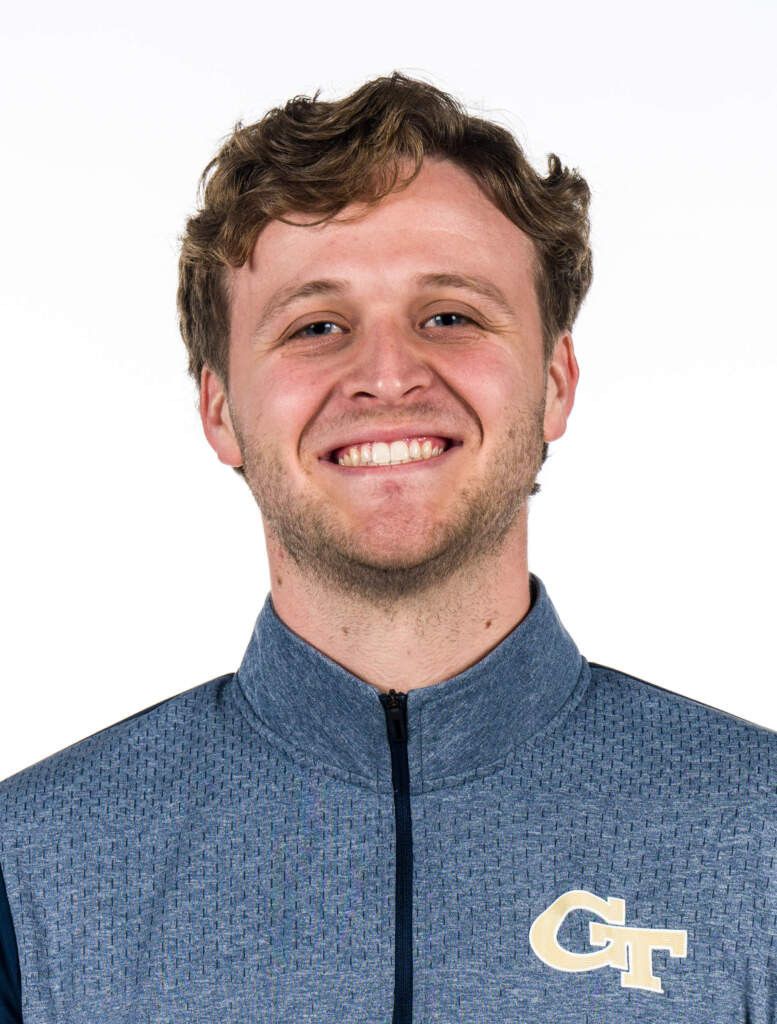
[398,452]
[379,453]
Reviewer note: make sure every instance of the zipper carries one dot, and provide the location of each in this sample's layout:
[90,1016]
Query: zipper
[395,706]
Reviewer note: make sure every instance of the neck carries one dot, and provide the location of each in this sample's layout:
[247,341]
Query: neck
[421,642]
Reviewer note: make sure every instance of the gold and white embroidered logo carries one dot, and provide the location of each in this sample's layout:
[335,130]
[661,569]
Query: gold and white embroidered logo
[628,949]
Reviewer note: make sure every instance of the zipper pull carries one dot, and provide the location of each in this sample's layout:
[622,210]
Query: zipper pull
[395,705]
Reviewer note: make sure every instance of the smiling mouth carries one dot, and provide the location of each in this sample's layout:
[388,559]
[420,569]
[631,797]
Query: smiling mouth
[382,455]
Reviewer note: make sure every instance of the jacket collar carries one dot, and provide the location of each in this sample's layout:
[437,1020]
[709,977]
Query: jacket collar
[329,718]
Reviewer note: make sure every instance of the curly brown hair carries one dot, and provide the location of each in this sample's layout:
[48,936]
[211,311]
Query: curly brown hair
[316,157]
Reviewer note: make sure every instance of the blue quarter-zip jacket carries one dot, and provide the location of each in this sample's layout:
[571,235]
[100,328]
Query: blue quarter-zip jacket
[537,840]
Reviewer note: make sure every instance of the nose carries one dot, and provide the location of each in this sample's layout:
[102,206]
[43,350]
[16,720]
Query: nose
[387,362]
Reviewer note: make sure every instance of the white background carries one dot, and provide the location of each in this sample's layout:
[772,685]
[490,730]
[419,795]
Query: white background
[133,562]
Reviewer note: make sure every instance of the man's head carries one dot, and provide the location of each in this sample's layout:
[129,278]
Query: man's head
[316,157]
[408,210]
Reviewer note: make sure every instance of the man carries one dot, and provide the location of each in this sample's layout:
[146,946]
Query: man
[415,800]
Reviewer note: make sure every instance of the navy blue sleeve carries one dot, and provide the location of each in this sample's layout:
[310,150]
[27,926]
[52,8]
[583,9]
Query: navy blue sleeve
[10,972]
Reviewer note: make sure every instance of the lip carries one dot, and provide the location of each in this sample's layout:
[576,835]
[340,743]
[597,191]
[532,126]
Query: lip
[387,435]
[402,470]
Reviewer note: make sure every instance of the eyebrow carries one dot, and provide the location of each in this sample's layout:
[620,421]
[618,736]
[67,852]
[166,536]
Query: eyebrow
[284,297]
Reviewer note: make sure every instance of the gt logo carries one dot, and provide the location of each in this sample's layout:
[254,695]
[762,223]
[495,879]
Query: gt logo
[628,949]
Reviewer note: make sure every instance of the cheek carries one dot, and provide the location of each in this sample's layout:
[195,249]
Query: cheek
[489,380]
[280,403]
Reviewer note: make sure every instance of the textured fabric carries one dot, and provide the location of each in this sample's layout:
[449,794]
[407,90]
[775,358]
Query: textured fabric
[586,848]
[10,979]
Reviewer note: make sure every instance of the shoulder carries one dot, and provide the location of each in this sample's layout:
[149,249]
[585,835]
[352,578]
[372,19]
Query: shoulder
[666,708]
[659,738]
[126,754]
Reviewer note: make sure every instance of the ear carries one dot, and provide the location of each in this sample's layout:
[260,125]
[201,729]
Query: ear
[216,418]
[562,377]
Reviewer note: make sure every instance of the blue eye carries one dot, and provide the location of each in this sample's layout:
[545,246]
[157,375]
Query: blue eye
[315,323]
[461,316]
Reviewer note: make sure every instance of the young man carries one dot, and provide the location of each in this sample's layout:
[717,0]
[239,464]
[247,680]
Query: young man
[415,800]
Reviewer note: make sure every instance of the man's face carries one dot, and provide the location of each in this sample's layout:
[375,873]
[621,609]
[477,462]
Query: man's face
[385,356]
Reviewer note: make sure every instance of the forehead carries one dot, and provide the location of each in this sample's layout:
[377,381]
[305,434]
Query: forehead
[443,221]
